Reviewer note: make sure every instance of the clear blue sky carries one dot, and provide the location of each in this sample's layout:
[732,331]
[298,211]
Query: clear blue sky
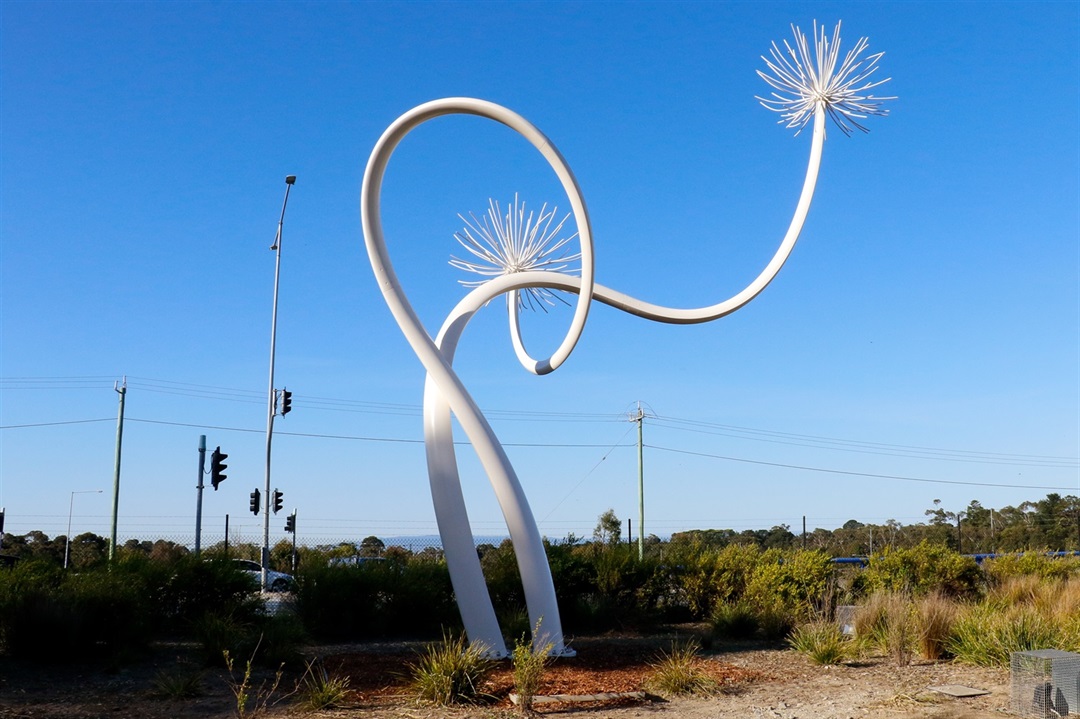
[927,326]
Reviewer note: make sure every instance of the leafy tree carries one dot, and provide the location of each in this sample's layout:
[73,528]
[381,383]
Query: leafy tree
[372,547]
[608,529]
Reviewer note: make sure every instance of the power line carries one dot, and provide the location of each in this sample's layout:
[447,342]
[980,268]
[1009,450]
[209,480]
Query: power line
[55,424]
[851,473]
[880,448]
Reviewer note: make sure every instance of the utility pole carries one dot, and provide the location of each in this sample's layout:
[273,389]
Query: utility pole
[640,419]
[272,393]
[198,501]
[122,391]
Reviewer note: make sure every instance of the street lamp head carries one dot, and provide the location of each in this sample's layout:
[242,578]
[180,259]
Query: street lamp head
[290,179]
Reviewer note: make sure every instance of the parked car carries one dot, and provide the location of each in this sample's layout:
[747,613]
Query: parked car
[354,561]
[275,581]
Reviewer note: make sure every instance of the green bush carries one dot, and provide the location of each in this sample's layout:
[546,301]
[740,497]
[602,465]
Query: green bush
[1026,564]
[47,614]
[734,621]
[412,599]
[786,588]
[923,569]
[709,577]
[189,588]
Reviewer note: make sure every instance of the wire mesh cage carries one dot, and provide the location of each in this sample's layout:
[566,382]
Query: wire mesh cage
[1045,683]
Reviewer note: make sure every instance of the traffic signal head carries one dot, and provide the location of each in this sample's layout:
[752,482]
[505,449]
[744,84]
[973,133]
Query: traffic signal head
[254,505]
[278,494]
[217,467]
[286,402]
[290,523]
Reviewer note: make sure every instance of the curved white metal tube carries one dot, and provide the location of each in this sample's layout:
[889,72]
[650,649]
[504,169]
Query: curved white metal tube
[444,391]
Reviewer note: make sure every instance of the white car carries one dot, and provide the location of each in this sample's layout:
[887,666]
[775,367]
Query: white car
[275,581]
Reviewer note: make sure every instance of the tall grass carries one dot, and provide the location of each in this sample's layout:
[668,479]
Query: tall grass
[985,634]
[886,621]
[935,614]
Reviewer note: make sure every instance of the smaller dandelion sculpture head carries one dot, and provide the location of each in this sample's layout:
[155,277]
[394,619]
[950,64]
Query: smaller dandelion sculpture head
[803,83]
[503,244]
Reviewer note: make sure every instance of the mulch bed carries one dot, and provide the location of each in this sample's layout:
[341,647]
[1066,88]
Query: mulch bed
[601,666]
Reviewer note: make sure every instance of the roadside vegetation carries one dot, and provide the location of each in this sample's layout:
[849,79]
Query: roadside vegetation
[921,599]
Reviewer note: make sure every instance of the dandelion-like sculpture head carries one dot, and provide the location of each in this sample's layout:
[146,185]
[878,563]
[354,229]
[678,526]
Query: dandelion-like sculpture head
[503,244]
[803,82]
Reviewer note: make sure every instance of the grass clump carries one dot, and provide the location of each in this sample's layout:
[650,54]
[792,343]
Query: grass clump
[180,683]
[318,690]
[529,659]
[450,672]
[886,621]
[822,641]
[935,614]
[680,672]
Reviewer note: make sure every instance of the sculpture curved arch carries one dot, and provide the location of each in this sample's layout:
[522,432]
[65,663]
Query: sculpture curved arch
[445,394]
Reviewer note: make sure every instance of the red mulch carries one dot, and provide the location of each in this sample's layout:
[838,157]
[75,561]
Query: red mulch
[601,666]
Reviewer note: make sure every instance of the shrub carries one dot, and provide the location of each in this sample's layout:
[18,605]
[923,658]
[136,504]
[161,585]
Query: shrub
[193,587]
[217,634]
[822,641]
[530,657]
[922,569]
[710,577]
[49,615]
[679,672]
[1030,564]
[734,621]
[450,672]
[377,599]
[514,623]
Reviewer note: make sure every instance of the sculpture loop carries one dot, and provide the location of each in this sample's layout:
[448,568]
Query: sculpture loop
[830,90]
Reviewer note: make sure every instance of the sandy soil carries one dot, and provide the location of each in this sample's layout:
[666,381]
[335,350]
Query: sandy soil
[757,683]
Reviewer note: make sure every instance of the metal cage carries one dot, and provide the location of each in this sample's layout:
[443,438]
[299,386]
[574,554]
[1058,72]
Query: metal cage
[1045,683]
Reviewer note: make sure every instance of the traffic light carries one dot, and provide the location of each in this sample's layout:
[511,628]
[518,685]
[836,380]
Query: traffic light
[286,402]
[217,467]
[290,523]
[278,494]
[254,504]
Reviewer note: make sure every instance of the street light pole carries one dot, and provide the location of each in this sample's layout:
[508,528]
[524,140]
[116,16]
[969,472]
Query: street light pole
[71,506]
[271,409]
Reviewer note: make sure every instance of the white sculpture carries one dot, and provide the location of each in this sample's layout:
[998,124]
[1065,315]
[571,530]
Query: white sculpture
[519,257]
